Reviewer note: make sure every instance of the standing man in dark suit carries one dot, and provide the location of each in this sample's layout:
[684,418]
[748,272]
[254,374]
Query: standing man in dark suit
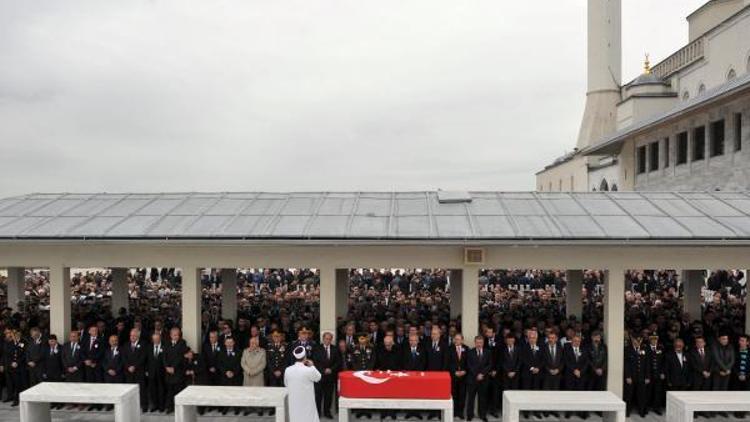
[72,358]
[209,358]
[52,365]
[479,365]
[457,366]
[388,358]
[677,367]
[637,376]
[509,365]
[742,365]
[230,368]
[134,356]
[155,373]
[414,360]
[597,352]
[723,363]
[436,350]
[93,353]
[328,362]
[494,391]
[174,366]
[576,365]
[35,356]
[532,362]
[554,364]
[701,365]
[112,364]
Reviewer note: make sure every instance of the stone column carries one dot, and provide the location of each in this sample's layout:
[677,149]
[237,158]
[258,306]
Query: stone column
[692,284]
[614,328]
[328,293]
[573,294]
[457,294]
[229,293]
[342,293]
[120,294]
[59,300]
[191,306]
[470,303]
[16,283]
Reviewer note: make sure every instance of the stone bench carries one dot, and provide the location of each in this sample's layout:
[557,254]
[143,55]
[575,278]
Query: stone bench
[346,404]
[35,402]
[682,405]
[187,401]
[517,401]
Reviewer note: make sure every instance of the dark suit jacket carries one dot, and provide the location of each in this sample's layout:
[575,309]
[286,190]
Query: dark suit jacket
[113,361]
[456,364]
[509,362]
[135,357]
[437,358]
[323,362]
[476,366]
[678,376]
[572,363]
[72,359]
[416,362]
[52,364]
[174,357]
[388,359]
[698,365]
[558,362]
[154,364]
[227,362]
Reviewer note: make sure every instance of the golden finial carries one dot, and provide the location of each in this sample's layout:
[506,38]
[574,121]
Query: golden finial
[646,66]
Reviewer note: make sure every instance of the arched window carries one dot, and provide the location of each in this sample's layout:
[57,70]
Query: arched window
[614,187]
[731,75]
[604,186]
[701,89]
[685,96]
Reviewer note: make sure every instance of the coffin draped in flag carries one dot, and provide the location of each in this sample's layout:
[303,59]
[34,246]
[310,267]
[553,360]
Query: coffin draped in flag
[395,385]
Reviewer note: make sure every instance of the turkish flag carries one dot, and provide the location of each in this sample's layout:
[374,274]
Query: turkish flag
[395,385]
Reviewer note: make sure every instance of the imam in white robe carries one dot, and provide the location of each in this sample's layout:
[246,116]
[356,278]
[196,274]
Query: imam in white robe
[300,382]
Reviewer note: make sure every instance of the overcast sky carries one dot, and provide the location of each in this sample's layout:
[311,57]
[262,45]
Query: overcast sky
[299,94]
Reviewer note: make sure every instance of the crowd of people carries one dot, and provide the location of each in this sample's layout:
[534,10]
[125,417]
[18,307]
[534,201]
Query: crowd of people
[397,320]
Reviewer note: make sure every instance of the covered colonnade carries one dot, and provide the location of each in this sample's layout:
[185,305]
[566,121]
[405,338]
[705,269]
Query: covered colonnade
[333,232]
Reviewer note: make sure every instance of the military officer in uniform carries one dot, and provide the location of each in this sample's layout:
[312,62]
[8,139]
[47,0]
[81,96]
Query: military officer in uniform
[276,360]
[637,376]
[303,339]
[362,356]
[658,373]
[14,362]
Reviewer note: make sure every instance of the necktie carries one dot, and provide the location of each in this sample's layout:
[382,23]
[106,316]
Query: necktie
[480,354]
[458,352]
[434,345]
[328,352]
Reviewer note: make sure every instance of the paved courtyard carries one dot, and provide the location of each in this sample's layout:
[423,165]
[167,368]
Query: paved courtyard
[10,414]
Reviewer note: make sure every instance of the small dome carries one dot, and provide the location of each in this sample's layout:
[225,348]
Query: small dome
[647,79]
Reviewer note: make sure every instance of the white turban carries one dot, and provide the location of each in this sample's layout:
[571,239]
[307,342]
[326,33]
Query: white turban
[299,352]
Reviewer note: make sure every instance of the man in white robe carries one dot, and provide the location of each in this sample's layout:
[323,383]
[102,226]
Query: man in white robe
[300,380]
